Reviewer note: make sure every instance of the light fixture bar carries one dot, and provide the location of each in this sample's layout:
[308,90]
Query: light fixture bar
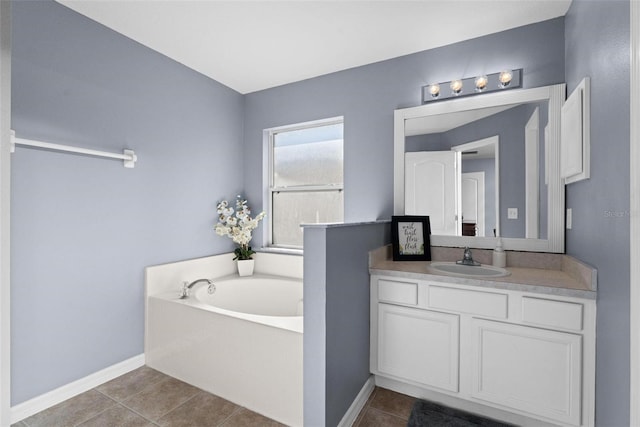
[507,79]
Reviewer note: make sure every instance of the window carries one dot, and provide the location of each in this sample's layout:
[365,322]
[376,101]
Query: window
[306,179]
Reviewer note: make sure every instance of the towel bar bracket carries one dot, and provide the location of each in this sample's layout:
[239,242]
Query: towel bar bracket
[131,159]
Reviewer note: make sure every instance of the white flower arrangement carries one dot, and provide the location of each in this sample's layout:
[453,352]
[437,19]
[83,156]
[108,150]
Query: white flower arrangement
[238,225]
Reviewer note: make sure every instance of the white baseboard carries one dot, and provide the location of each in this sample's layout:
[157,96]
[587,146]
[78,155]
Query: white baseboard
[357,405]
[37,404]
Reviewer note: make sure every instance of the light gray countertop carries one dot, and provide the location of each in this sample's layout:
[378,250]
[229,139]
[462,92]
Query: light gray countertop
[551,274]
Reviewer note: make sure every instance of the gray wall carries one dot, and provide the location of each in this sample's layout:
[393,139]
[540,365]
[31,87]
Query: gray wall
[83,228]
[336,322]
[597,45]
[315,325]
[368,95]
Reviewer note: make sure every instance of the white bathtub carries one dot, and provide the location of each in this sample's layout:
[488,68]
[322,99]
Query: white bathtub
[242,343]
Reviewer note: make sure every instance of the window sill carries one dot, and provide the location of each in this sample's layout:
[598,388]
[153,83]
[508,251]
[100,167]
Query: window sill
[277,250]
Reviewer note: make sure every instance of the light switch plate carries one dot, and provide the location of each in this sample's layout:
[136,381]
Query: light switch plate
[512,213]
[569,219]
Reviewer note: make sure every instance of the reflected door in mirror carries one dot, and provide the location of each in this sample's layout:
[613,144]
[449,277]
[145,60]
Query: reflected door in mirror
[431,189]
[473,222]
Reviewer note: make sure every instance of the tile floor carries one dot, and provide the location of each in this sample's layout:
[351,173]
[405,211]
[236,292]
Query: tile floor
[385,408]
[146,397]
[142,398]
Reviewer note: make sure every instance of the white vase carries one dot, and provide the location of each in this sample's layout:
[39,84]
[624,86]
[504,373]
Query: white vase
[245,267]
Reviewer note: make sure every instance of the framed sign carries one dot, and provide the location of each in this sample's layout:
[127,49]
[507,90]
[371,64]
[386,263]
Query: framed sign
[410,238]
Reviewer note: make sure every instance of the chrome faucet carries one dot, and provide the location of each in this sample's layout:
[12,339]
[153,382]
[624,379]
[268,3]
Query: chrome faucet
[186,287]
[467,259]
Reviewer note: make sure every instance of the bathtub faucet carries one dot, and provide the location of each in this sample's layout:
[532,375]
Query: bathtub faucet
[186,287]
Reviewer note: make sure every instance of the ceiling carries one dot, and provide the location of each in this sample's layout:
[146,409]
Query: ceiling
[250,45]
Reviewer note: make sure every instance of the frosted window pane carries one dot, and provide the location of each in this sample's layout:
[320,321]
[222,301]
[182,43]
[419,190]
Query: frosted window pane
[310,134]
[290,209]
[311,156]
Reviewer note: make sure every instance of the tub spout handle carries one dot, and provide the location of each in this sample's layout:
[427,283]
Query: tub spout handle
[184,293]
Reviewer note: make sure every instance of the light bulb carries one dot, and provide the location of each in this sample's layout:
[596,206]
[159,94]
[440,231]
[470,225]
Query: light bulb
[505,78]
[434,90]
[481,83]
[456,86]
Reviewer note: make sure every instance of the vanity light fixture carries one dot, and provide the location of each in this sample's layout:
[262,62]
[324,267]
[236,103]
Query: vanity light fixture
[485,83]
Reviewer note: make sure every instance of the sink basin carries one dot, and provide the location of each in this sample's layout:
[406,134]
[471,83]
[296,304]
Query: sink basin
[453,269]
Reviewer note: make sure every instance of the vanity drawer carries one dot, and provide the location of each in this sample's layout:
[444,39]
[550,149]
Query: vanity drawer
[488,304]
[398,292]
[552,313]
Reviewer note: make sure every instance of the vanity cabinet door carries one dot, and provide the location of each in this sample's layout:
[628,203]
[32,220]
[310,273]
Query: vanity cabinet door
[529,369]
[419,345]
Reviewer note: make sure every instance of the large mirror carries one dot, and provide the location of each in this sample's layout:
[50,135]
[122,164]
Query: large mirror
[484,166]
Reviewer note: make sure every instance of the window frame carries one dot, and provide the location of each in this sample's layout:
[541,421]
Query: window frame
[270,189]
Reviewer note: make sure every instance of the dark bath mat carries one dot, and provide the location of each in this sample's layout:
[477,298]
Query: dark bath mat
[429,414]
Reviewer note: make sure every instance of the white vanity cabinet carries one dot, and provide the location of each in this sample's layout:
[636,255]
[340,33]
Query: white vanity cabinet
[519,356]
[531,369]
[406,338]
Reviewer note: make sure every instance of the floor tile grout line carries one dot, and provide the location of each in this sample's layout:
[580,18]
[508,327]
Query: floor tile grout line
[105,395]
[371,400]
[122,405]
[389,413]
[238,409]
[137,413]
[163,377]
[125,406]
[146,386]
[115,403]
[182,404]
[358,419]
[155,422]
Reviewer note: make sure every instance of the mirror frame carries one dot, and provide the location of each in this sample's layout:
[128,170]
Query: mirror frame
[555,95]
